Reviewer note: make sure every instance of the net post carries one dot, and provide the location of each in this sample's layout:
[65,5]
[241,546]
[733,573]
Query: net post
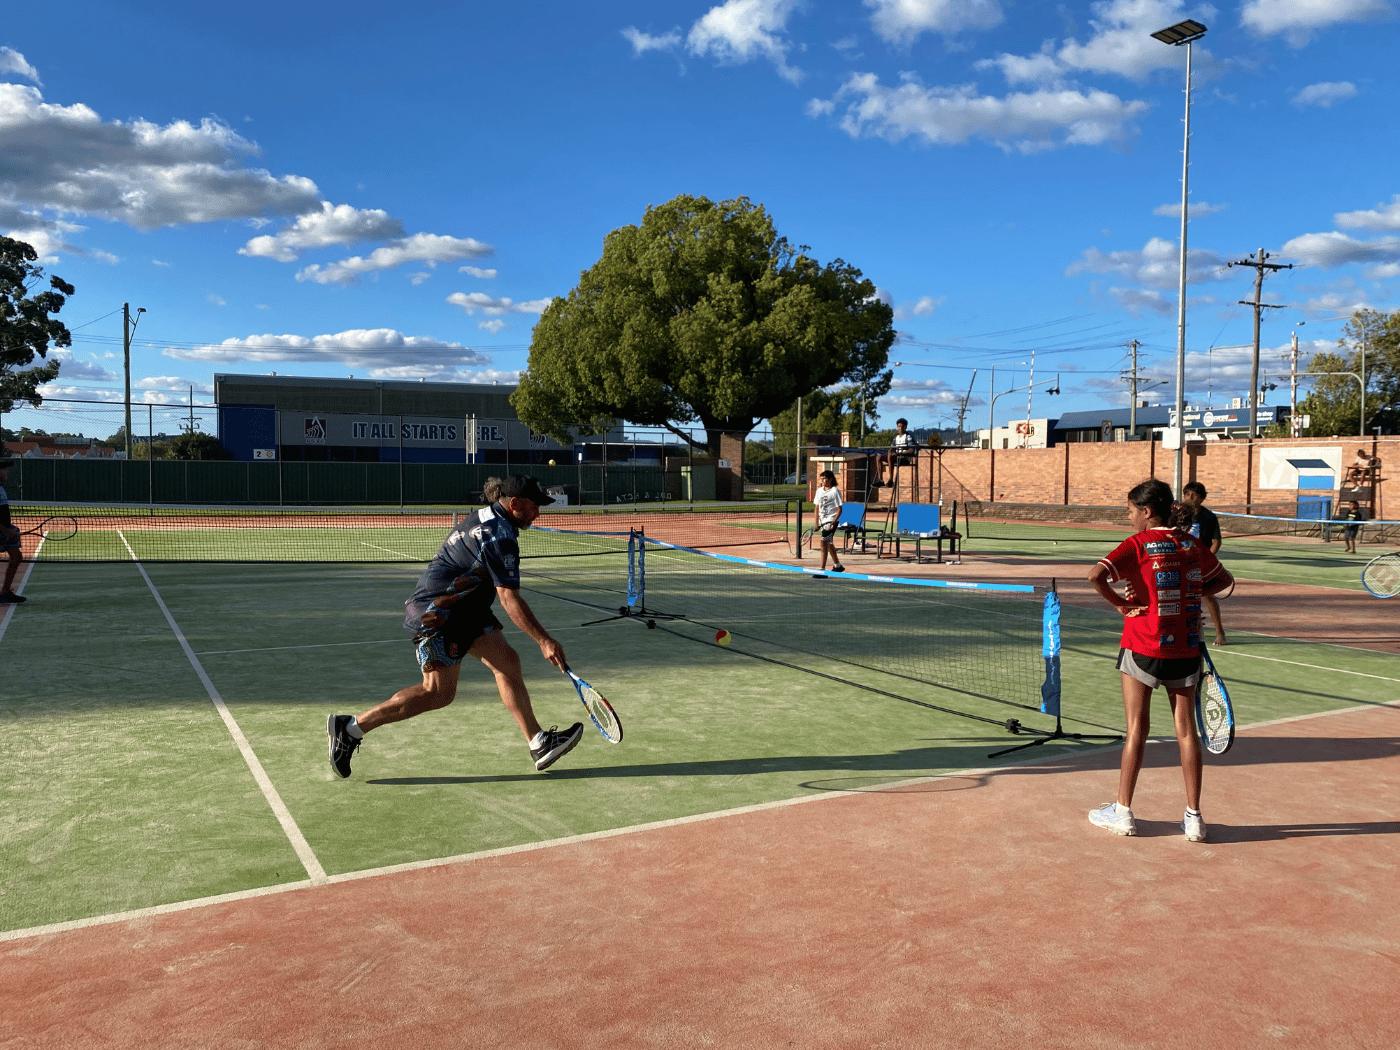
[799,526]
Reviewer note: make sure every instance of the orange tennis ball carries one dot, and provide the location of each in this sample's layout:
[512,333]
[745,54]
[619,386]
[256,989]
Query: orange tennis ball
[722,637]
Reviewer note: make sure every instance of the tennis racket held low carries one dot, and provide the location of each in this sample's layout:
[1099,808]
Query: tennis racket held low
[1215,717]
[598,708]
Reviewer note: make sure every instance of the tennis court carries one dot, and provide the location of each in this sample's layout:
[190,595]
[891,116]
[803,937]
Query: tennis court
[168,801]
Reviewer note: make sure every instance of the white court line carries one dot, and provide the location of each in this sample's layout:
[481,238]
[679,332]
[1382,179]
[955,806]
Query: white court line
[389,550]
[569,840]
[279,809]
[9,609]
[321,645]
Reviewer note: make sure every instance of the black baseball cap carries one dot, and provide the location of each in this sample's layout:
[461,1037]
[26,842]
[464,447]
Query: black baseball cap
[525,488]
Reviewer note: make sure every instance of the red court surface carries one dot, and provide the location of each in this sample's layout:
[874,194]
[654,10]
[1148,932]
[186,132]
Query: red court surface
[979,910]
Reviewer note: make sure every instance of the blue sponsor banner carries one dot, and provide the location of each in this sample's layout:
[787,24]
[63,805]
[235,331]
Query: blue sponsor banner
[1050,650]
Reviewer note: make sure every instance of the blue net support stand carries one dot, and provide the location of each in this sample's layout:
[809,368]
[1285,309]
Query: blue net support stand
[1049,688]
[636,607]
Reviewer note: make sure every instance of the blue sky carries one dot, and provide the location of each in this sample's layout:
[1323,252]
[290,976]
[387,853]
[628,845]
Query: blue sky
[397,191]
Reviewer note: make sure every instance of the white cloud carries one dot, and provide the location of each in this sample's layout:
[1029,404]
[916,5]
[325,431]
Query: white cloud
[68,161]
[740,30]
[471,302]
[1024,122]
[333,224]
[217,300]
[1157,264]
[1383,217]
[418,278]
[476,271]
[1325,93]
[1297,20]
[379,352]
[71,369]
[1332,249]
[644,42]
[158,262]
[1194,210]
[11,61]
[427,248]
[924,306]
[493,326]
[902,21]
[1121,43]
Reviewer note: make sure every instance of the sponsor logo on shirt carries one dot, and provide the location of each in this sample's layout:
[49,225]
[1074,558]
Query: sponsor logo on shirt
[1165,640]
[1160,547]
[1193,640]
[1194,575]
[1169,594]
[1168,608]
[1193,607]
[1168,579]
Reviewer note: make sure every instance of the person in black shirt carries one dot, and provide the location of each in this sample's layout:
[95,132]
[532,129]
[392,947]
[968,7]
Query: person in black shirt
[450,617]
[9,542]
[1205,526]
[1352,512]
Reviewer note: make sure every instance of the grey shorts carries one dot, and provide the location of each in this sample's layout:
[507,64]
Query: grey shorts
[1152,671]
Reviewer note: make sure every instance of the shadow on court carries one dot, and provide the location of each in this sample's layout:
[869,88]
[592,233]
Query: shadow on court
[1225,833]
[1249,750]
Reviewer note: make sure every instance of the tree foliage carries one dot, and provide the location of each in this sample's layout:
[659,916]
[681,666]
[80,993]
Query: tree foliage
[27,325]
[1334,404]
[701,313]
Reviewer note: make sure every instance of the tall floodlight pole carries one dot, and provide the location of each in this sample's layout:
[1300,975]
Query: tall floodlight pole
[1187,32]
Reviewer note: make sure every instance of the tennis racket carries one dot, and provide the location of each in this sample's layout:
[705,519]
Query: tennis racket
[598,708]
[54,529]
[1215,718]
[1382,576]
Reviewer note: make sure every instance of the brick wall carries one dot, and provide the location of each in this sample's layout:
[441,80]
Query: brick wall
[1100,474]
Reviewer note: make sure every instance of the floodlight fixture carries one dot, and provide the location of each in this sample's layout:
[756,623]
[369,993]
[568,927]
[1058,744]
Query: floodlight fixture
[1181,33]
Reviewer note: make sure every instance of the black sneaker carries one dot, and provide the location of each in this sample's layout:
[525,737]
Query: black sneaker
[556,745]
[11,598]
[343,745]
[839,568]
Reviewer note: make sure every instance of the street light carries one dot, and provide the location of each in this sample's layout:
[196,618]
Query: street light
[1187,33]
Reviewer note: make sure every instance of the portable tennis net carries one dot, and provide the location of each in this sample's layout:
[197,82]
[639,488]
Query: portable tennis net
[178,532]
[975,641]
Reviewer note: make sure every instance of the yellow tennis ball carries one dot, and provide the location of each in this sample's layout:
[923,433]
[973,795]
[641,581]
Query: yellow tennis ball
[551,462]
[722,637]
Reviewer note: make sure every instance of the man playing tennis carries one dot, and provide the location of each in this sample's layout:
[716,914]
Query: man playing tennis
[450,616]
[9,542]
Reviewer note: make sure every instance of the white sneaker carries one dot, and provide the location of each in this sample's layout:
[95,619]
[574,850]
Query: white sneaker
[1194,827]
[1113,817]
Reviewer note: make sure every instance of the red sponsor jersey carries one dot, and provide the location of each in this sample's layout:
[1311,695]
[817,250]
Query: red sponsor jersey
[1167,570]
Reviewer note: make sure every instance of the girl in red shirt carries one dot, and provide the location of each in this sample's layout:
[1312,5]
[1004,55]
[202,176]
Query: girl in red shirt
[1166,571]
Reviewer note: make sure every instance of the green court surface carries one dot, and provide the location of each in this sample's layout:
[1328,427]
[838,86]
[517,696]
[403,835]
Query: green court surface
[122,786]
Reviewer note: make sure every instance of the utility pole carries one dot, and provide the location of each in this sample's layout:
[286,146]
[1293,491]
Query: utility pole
[1259,267]
[1293,427]
[1132,392]
[128,330]
[1030,389]
[962,409]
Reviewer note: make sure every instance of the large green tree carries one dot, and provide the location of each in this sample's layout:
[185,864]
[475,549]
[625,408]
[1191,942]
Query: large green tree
[700,314]
[27,325]
[1334,404]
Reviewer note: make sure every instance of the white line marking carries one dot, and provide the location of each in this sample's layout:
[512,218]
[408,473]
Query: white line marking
[322,645]
[1217,651]
[10,609]
[467,858]
[390,550]
[279,809]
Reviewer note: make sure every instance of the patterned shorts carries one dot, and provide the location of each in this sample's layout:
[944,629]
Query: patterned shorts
[449,646]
